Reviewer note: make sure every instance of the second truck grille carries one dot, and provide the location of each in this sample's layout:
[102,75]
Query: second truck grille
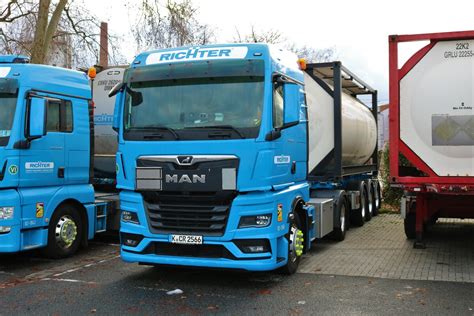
[204,213]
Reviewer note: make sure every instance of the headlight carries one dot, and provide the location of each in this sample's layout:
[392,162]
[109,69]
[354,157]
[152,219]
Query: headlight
[255,221]
[6,212]
[5,229]
[130,217]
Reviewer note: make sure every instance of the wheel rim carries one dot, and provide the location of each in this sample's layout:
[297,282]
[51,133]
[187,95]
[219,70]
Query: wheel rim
[66,232]
[342,218]
[296,243]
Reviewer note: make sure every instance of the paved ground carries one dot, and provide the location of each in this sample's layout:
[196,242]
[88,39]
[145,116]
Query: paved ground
[96,281]
[380,249]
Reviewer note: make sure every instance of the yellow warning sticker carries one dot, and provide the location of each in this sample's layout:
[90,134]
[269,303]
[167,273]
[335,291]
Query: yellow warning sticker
[280,212]
[39,209]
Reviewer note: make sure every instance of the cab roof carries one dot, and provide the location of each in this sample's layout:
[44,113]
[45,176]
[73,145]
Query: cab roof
[46,78]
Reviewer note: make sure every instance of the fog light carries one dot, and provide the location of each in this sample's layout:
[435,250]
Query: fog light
[6,212]
[255,221]
[253,245]
[130,217]
[5,229]
[130,240]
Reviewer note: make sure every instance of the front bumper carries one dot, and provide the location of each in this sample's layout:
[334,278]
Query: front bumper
[252,262]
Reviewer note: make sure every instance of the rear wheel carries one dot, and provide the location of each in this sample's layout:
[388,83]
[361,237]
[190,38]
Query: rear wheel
[410,225]
[64,232]
[295,246]
[379,195]
[339,232]
[358,216]
[368,204]
[373,198]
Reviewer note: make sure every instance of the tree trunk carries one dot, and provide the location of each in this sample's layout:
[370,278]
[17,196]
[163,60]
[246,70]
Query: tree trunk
[37,52]
[45,31]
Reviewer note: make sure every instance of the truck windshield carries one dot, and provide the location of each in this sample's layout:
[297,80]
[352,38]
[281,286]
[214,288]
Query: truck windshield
[7,111]
[194,108]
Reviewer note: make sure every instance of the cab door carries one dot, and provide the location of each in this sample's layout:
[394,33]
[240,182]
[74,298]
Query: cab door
[42,164]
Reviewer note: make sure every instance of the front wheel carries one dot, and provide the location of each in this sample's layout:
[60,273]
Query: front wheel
[64,232]
[295,238]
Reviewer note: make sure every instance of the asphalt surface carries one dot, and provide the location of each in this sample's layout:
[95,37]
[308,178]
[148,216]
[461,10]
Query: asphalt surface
[96,281]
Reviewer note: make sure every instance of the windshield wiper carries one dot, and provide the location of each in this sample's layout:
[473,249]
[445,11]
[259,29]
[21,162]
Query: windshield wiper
[224,127]
[164,128]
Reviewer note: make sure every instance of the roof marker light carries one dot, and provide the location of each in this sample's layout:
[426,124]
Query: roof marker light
[302,63]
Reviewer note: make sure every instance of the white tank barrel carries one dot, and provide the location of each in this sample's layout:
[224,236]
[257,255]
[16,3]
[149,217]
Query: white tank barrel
[359,129]
[105,138]
[437,108]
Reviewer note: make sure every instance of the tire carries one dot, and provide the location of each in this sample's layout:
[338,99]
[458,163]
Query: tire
[409,222]
[64,233]
[379,195]
[341,209]
[358,216]
[295,246]
[368,204]
[373,198]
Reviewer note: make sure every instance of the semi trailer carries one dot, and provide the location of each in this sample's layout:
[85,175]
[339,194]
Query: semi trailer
[239,156]
[432,129]
[47,199]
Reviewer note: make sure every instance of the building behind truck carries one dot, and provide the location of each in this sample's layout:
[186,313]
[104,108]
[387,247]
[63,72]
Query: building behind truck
[432,126]
[47,199]
[237,156]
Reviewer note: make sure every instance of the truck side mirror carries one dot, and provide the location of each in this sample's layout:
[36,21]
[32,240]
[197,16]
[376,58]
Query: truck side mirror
[117,107]
[292,104]
[37,118]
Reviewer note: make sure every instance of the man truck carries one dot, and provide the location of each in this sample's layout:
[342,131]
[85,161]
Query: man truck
[239,156]
[47,199]
[432,128]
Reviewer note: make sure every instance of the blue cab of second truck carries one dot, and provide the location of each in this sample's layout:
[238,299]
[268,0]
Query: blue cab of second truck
[44,157]
[212,157]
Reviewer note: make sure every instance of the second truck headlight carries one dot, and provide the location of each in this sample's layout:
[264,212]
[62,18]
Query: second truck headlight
[255,221]
[6,212]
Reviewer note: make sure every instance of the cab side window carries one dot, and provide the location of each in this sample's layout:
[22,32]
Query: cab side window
[59,116]
[278,106]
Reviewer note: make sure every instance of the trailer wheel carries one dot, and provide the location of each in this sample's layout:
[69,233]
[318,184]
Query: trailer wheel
[64,232]
[373,198]
[358,216]
[409,224]
[339,232]
[368,204]
[295,238]
[379,195]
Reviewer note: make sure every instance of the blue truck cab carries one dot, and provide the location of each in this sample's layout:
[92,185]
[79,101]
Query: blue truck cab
[212,161]
[46,197]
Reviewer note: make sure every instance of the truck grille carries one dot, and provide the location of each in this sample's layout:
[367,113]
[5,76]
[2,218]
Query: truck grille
[204,213]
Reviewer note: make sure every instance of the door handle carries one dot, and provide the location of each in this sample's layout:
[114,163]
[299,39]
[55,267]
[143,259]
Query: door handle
[61,172]
[56,148]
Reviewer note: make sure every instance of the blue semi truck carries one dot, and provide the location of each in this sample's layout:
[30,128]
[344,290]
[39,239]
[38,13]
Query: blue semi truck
[240,156]
[47,199]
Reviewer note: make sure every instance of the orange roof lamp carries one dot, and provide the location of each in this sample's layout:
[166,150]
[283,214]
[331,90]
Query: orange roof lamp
[302,63]
[92,72]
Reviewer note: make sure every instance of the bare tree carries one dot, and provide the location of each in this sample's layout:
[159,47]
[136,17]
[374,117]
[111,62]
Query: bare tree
[271,36]
[45,30]
[313,55]
[258,36]
[170,23]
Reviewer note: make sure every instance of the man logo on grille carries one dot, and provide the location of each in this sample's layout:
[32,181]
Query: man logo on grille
[185,160]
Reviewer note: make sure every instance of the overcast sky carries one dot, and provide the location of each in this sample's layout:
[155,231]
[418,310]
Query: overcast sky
[357,29]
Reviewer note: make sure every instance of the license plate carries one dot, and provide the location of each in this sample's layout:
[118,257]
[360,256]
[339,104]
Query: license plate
[186,239]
